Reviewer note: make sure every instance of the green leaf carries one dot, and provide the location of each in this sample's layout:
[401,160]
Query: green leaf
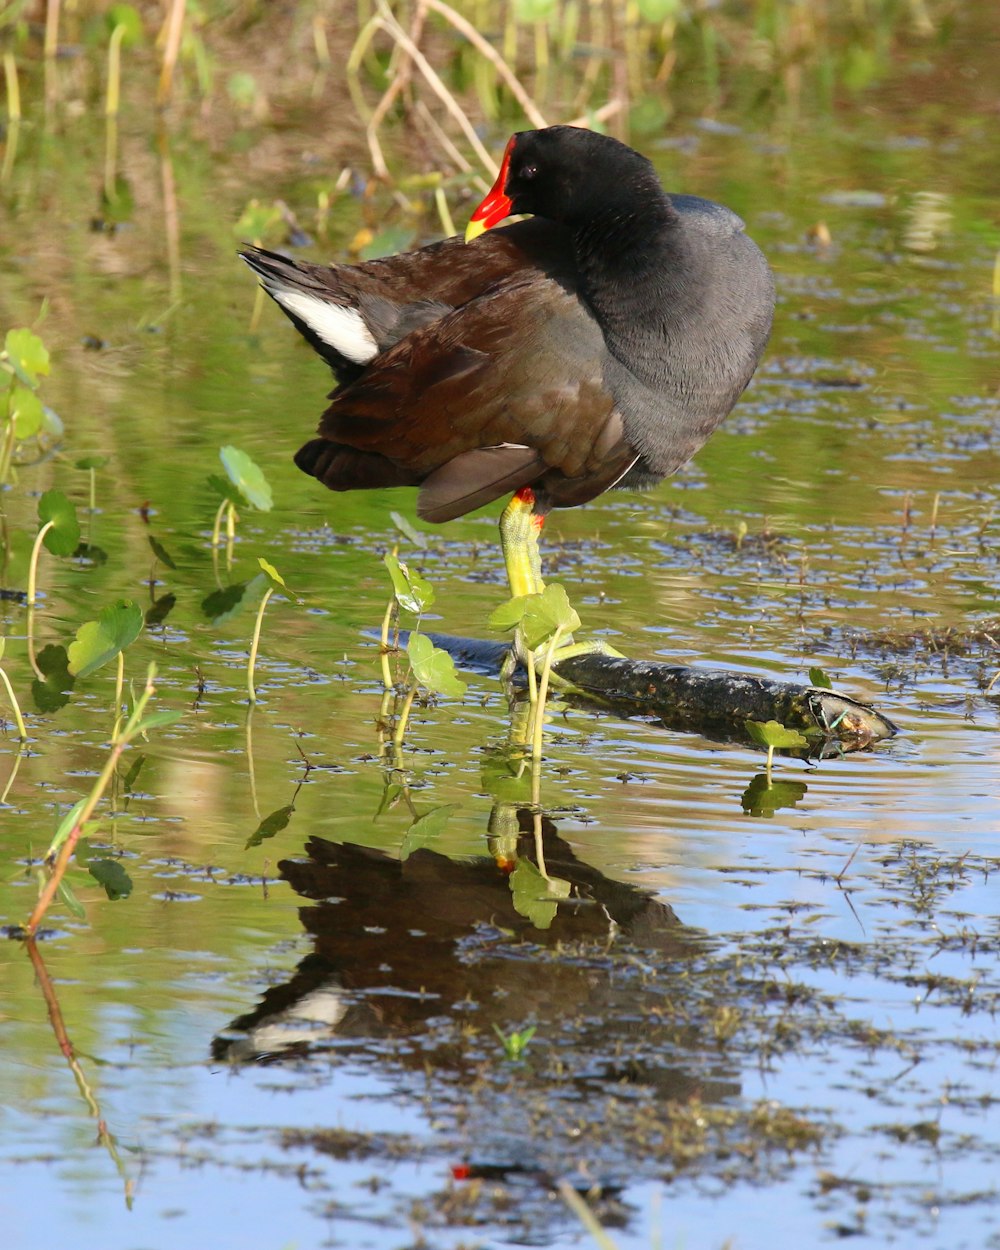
[536,897]
[277,581]
[65,828]
[161,553]
[433,668]
[125,15]
[247,477]
[52,691]
[538,615]
[411,591]
[773,734]
[135,768]
[270,825]
[110,873]
[224,488]
[158,720]
[417,537]
[27,355]
[71,901]
[820,679]
[763,798]
[426,828]
[64,535]
[90,462]
[26,412]
[97,642]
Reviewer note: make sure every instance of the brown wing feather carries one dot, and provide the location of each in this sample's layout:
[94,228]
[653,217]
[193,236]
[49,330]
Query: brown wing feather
[521,365]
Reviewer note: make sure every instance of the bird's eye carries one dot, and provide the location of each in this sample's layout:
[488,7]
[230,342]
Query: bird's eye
[529,171]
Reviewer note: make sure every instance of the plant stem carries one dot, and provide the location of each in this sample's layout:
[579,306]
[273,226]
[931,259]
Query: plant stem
[119,686]
[404,716]
[252,663]
[33,566]
[19,719]
[13,87]
[132,727]
[62,862]
[543,690]
[384,650]
[7,453]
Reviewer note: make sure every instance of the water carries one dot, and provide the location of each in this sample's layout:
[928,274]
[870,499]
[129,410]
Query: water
[739,1015]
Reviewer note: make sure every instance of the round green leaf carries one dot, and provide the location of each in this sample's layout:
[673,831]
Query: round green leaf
[26,411]
[64,536]
[97,642]
[433,668]
[247,477]
[91,462]
[125,15]
[27,355]
[110,873]
[773,734]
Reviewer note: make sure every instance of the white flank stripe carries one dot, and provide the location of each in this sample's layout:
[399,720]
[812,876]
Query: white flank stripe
[342,328]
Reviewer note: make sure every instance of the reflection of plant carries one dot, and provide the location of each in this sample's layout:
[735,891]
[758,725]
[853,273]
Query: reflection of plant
[18,718]
[514,1044]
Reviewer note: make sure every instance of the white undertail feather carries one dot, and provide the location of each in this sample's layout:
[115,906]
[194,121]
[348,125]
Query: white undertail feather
[342,328]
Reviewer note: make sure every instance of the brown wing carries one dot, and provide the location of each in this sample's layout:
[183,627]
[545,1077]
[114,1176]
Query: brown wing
[500,393]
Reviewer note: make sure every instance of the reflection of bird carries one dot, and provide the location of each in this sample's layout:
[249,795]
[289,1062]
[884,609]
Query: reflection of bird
[417,964]
[597,345]
[397,944]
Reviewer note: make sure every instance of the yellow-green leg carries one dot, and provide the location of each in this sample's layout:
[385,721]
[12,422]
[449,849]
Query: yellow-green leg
[520,526]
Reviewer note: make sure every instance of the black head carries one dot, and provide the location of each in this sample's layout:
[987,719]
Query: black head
[566,174]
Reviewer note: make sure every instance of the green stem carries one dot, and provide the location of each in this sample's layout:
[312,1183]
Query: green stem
[33,566]
[7,452]
[543,690]
[252,663]
[404,716]
[119,686]
[385,649]
[13,87]
[22,733]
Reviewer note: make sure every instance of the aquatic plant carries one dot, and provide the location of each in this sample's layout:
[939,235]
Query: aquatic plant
[246,483]
[61,849]
[59,533]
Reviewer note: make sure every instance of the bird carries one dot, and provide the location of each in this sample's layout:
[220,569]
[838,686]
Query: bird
[596,343]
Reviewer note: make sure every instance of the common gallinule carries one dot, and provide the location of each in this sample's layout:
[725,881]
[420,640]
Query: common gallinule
[598,344]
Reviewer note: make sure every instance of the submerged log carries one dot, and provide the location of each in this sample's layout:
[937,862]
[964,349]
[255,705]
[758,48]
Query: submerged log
[711,701]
